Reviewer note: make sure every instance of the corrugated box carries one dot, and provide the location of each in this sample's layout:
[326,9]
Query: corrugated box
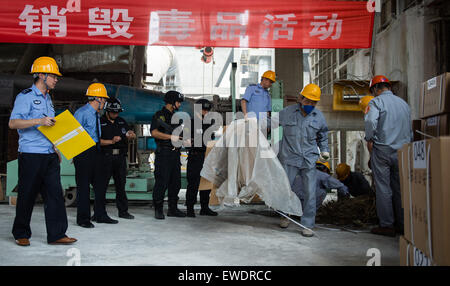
[411,255]
[425,181]
[436,126]
[435,97]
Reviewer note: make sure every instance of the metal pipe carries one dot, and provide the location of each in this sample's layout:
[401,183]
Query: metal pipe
[233,88]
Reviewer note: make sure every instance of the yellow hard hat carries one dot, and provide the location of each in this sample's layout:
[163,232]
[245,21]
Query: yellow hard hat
[269,75]
[311,91]
[45,65]
[364,102]
[326,164]
[97,90]
[342,171]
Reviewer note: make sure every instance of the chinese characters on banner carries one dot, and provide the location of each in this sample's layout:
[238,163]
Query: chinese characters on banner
[231,23]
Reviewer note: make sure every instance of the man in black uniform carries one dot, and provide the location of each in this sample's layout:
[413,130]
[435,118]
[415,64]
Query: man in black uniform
[167,157]
[114,142]
[196,158]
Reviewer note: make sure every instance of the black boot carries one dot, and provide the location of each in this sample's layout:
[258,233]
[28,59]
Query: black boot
[174,211]
[190,211]
[204,202]
[159,214]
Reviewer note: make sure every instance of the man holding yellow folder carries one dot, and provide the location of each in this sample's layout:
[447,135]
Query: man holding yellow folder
[39,169]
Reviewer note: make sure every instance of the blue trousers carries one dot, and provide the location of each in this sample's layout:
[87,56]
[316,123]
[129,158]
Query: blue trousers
[309,191]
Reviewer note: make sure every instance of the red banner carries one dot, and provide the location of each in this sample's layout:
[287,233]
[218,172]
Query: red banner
[217,23]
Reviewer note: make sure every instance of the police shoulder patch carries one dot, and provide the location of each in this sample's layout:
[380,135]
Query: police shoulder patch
[162,118]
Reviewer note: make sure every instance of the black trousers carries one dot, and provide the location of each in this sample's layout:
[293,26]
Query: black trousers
[40,173]
[88,171]
[194,166]
[116,166]
[167,176]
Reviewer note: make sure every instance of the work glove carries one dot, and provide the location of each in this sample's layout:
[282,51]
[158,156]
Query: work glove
[324,156]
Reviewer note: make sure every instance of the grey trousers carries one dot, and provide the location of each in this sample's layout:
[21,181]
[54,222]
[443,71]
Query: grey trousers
[387,184]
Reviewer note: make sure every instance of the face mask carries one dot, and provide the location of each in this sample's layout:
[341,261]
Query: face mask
[308,108]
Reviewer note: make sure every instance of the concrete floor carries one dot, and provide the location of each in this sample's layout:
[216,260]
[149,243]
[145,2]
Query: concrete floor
[244,236]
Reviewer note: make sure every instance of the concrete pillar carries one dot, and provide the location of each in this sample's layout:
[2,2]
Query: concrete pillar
[289,69]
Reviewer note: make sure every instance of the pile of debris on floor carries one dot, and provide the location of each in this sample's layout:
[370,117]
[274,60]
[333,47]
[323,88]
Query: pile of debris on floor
[359,212]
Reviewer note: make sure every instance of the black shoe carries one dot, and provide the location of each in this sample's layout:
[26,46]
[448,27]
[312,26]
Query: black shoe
[386,231]
[94,218]
[175,213]
[126,215]
[86,224]
[190,211]
[208,212]
[108,220]
[159,214]
[399,230]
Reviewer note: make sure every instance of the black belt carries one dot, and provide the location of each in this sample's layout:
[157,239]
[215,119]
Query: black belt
[114,151]
[197,152]
[169,148]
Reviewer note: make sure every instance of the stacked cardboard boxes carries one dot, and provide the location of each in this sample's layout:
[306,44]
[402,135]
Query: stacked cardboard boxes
[425,185]
[435,106]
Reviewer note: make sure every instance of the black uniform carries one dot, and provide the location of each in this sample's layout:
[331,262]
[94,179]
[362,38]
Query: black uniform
[167,162]
[114,159]
[357,184]
[194,166]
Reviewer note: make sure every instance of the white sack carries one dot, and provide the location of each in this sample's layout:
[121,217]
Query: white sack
[242,164]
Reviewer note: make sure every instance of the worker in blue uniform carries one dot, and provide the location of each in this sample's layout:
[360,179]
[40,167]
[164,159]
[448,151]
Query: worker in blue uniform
[39,162]
[305,132]
[88,164]
[324,182]
[257,101]
[387,128]
[167,157]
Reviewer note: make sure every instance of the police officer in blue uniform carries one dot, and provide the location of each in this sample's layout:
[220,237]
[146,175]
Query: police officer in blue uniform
[196,157]
[114,142]
[39,169]
[256,101]
[167,157]
[88,165]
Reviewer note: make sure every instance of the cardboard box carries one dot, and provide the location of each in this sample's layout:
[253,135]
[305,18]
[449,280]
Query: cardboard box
[411,255]
[435,97]
[425,182]
[436,126]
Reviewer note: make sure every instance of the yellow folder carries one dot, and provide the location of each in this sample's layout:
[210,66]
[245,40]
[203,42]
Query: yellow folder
[68,135]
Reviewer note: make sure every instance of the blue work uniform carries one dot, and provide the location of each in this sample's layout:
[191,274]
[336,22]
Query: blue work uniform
[388,125]
[324,182]
[258,100]
[89,169]
[88,117]
[39,169]
[299,151]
